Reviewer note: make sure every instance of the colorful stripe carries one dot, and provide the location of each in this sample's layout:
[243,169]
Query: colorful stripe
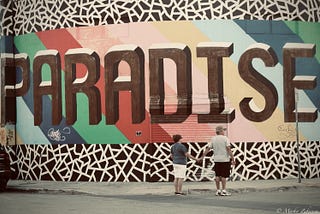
[241,33]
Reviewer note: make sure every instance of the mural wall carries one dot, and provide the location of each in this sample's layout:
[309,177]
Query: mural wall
[125,76]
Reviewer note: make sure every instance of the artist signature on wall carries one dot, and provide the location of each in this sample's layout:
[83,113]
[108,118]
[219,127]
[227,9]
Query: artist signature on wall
[57,135]
[286,130]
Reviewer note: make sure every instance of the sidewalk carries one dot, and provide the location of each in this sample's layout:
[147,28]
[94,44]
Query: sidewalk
[157,188]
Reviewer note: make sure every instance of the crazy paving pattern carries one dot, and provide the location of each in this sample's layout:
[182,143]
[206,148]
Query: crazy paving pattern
[34,16]
[151,162]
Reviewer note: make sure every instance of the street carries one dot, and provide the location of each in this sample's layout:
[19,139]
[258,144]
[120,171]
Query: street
[306,200]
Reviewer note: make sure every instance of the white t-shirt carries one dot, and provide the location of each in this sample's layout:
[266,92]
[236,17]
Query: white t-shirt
[218,144]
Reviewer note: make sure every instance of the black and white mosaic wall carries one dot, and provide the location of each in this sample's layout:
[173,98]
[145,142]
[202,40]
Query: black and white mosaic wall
[151,162]
[33,16]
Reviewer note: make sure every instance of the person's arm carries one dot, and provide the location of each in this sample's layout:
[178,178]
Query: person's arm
[188,155]
[171,153]
[206,151]
[231,155]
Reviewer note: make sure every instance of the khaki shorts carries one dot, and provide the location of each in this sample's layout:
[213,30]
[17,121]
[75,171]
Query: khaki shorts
[179,170]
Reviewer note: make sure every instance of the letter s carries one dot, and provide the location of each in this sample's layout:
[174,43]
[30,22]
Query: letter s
[258,82]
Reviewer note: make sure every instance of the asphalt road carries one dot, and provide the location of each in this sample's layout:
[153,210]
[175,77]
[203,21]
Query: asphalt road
[305,200]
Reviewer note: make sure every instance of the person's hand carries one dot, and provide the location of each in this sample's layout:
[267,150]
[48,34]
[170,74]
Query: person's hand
[199,160]
[233,162]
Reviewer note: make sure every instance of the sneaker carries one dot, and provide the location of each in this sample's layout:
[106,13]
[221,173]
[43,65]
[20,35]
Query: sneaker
[225,193]
[218,192]
[179,193]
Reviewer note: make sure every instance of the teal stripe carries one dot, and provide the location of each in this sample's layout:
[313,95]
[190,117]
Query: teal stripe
[28,133]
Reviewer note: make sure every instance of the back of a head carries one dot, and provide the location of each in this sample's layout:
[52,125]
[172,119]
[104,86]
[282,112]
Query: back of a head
[176,137]
[220,129]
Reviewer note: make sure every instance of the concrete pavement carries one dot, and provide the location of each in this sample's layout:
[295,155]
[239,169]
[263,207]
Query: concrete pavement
[156,188]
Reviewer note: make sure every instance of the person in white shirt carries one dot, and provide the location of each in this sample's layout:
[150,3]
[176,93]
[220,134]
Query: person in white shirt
[223,158]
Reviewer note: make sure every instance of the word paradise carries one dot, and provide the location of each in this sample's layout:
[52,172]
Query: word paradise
[181,55]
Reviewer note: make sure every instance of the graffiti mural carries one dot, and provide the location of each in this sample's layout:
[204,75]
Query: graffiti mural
[197,83]
[121,77]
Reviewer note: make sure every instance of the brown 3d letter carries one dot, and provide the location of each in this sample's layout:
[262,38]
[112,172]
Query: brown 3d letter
[181,55]
[258,82]
[11,88]
[53,87]
[114,83]
[291,81]
[73,85]
[214,51]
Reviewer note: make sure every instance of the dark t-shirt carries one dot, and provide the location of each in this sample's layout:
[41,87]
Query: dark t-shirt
[178,151]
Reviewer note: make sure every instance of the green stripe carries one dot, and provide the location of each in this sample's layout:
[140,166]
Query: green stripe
[309,32]
[95,134]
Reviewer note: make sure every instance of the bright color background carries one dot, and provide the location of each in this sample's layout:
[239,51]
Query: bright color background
[241,33]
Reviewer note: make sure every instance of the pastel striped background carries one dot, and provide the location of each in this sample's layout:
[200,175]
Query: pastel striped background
[144,34]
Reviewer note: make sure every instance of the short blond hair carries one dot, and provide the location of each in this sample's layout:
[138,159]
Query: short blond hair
[219,129]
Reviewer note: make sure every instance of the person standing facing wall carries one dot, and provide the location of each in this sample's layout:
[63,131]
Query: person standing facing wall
[179,155]
[223,158]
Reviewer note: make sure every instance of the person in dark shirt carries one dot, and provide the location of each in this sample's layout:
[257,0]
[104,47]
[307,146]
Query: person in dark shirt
[179,155]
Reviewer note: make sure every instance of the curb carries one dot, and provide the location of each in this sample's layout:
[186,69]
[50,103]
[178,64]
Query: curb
[46,191]
[252,189]
[195,191]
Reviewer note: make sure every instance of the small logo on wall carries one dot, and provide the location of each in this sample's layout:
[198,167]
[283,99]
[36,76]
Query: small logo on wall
[57,135]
